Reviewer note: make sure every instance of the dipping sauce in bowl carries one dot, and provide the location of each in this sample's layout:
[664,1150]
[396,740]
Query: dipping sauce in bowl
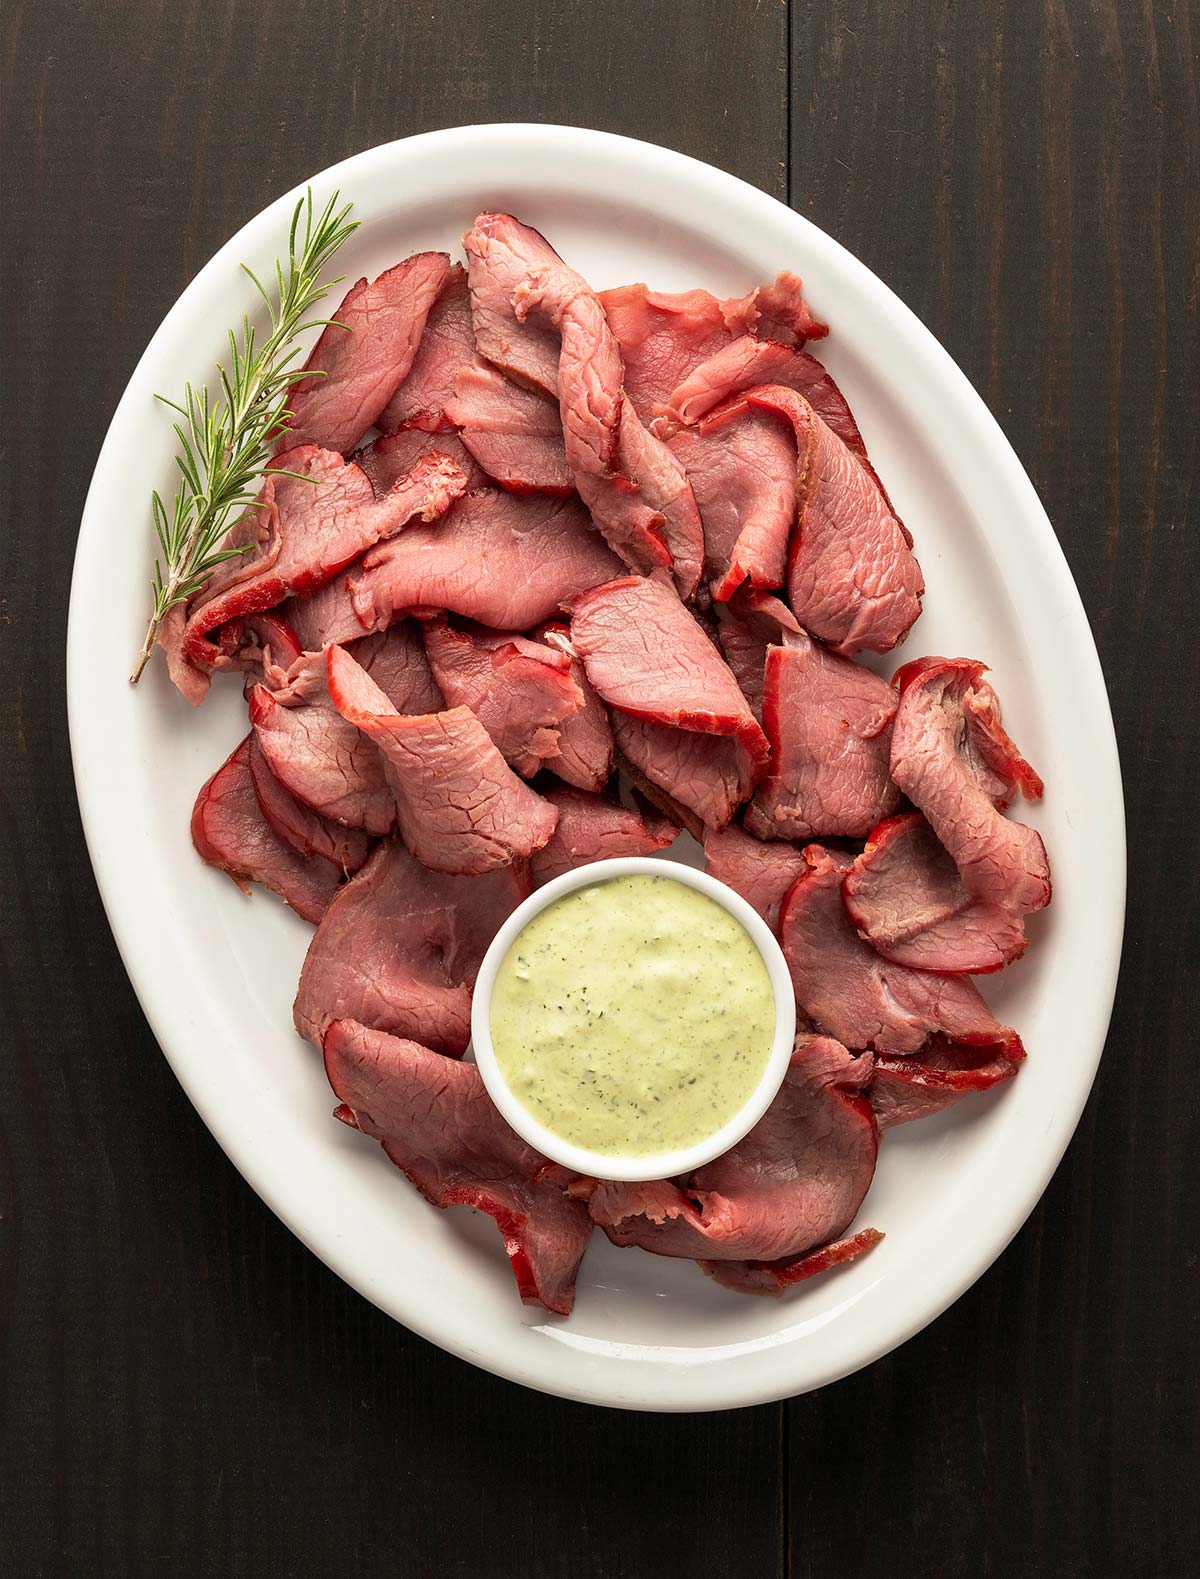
[631,1021]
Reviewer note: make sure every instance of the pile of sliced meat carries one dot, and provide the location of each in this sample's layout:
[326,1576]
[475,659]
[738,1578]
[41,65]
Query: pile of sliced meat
[543,576]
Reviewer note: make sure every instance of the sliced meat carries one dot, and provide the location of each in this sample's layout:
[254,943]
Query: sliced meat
[952,758]
[520,691]
[852,579]
[446,345]
[514,433]
[364,353]
[772,1277]
[741,464]
[321,758]
[748,624]
[829,724]
[662,337]
[313,523]
[781,312]
[645,654]
[746,363]
[400,948]
[585,740]
[592,828]
[389,458]
[499,256]
[229,831]
[905,895]
[506,561]
[903,1089]
[794,1182]
[847,990]
[304,830]
[697,780]
[459,806]
[679,716]
[437,1123]
[761,873]
[636,490]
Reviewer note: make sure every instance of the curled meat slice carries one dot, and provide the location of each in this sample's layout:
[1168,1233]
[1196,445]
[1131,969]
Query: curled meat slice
[308,526]
[364,353]
[521,691]
[400,948]
[846,989]
[951,892]
[636,490]
[793,1183]
[230,831]
[459,806]
[852,579]
[447,344]
[437,1123]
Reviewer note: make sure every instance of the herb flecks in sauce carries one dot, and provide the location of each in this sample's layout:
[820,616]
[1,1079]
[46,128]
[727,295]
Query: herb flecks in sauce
[633,1016]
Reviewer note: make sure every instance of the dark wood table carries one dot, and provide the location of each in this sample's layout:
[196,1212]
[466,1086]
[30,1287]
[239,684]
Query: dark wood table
[185,1389]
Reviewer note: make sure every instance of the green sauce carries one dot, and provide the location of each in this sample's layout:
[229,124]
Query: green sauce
[633,1016]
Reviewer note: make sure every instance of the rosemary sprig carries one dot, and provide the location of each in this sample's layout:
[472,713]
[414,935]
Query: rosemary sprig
[225,440]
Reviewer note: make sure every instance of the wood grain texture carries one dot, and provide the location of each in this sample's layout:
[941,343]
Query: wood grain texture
[183,1387]
[186,1390]
[1027,177]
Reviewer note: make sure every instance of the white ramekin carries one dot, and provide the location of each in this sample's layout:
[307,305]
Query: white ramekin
[659,1165]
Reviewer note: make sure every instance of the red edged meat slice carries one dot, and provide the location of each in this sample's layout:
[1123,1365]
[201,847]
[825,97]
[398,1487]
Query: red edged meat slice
[903,1089]
[645,654]
[847,990]
[829,724]
[741,464]
[520,691]
[591,828]
[400,948]
[904,894]
[447,343]
[698,781]
[389,458]
[940,1074]
[319,520]
[761,872]
[772,1277]
[662,337]
[318,756]
[750,623]
[515,434]
[852,579]
[459,806]
[750,361]
[229,831]
[306,831]
[952,759]
[636,490]
[780,311]
[504,560]
[437,1123]
[585,740]
[364,353]
[500,253]
[794,1182]
[679,717]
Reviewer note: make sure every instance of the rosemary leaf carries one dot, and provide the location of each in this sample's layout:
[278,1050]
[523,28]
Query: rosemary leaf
[225,442]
